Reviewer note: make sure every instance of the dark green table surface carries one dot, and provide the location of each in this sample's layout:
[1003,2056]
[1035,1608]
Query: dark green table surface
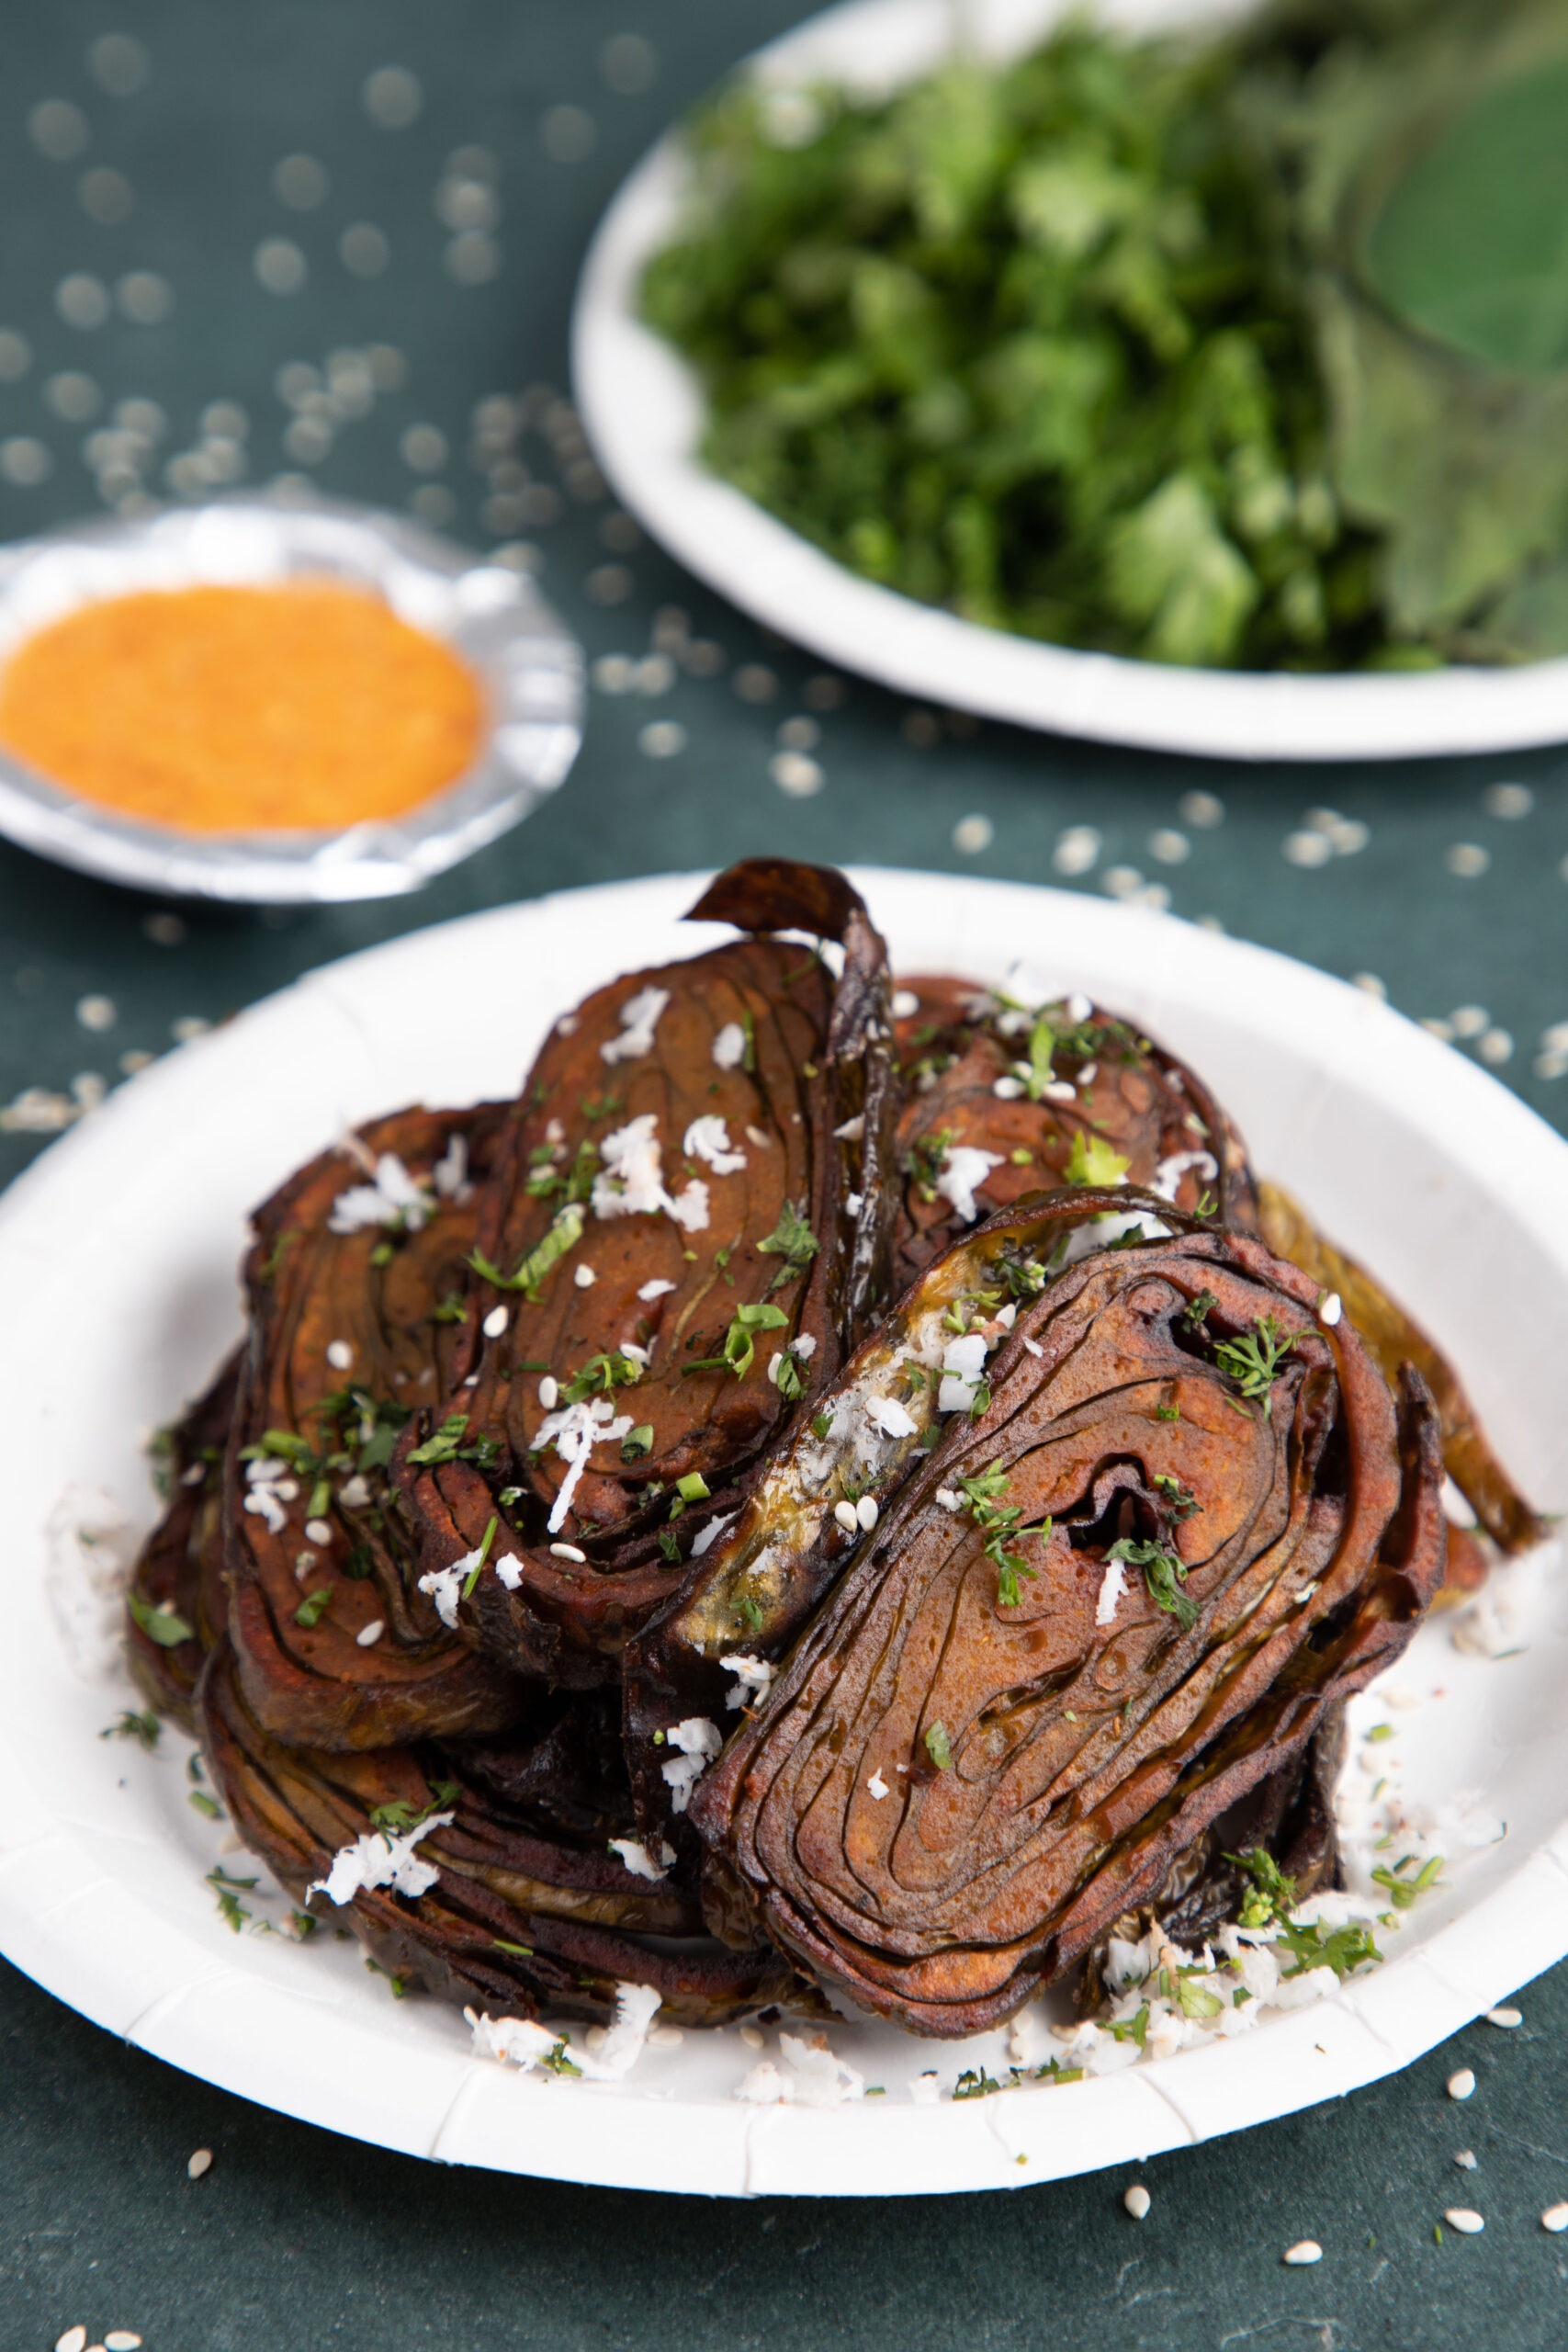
[1447,891]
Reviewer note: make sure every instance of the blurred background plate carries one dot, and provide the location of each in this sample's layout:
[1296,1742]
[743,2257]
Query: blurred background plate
[529,669]
[644,412]
[129,1231]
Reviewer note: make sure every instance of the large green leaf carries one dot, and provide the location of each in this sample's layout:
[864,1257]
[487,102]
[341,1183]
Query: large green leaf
[1471,246]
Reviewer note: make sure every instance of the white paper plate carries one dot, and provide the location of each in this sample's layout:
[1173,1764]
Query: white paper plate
[117,1255]
[644,412]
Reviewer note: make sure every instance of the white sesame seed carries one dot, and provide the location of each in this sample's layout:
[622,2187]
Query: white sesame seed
[201,2161]
[1462,2085]
[1308,849]
[279,265]
[847,1517]
[392,96]
[568,1552]
[798,735]
[339,1355]
[972,834]
[753,683]
[368,1635]
[549,1392]
[1507,2018]
[1496,1047]
[73,2340]
[1204,810]
[796,773]
[568,134]
[1370,985]
[1007,1090]
[1168,847]
[1076,851]
[1305,2250]
[1507,800]
[755,1134]
[867,1513]
[1331,1309]
[1467,860]
[1465,2160]
[123,2339]
[585,1278]
[97,1011]
[319,1530]
[495,1322]
[1136,2199]
[666,2037]
[1469,2223]
[1555,2218]
[754,2040]
[661,739]
[906,1005]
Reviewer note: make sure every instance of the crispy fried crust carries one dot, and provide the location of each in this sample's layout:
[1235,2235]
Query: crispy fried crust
[514,1919]
[1108,1083]
[755,1036]
[1085,1757]
[1394,1340]
[310,1289]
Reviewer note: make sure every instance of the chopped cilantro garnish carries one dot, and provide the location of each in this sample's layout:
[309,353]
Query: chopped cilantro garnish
[1092,1161]
[399,1815]
[444,1445]
[1271,1894]
[975,2084]
[926,1156]
[312,1609]
[739,1346]
[559,2060]
[792,1379]
[228,1890]
[1132,2029]
[1197,1311]
[638,1445]
[144,1729]
[1253,1361]
[164,1626]
[752,1612]
[564,1235]
[793,1240]
[938,1746]
[451,1309]
[520,1951]
[1403,1890]
[1163,1572]
[486,1540]
[1180,1500]
[670,1543]
[1042,1040]
[1346,1950]
[599,1376]
[203,1803]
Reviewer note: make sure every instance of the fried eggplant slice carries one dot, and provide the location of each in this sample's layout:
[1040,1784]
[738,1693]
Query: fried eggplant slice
[511,1920]
[688,1236]
[356,1282]
[178,1573]
[1395,1338]
[1002,1099]
[1124,1589]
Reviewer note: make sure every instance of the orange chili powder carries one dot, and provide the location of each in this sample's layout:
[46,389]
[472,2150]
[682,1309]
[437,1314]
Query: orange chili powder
[230,709]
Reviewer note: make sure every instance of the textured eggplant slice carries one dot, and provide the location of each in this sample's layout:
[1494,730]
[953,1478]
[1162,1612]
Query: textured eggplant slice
[1289,1815]
[180,1567]
[1394,1338]
[356,1288]
[511,1920]
[812,1502]
[1002,1099]
[1127,1589]
[688,1236]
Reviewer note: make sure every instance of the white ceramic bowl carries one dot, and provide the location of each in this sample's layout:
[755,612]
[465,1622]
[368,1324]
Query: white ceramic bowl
[644,411]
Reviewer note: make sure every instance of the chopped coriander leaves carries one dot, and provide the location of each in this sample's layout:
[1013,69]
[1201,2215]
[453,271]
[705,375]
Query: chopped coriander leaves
[228,1890]
[791,1241]
[638,1445]
[203,1803]
[938,1746]
[1093,1161]
[1196,1313]
[924,1164]
[399,1815]
[162,1625]
[1164,1571]
[739,1344]
[564,1235]
[1180,1500]
[1271,1894]
[975,2083]
[451,1309]
[519,1951]
[487,1540]
[598,1376]
[1403,1890]
[1253,1361]
[670,1543]
[751,1612]
[144,1729]
[1344,1951]
[314,1608]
